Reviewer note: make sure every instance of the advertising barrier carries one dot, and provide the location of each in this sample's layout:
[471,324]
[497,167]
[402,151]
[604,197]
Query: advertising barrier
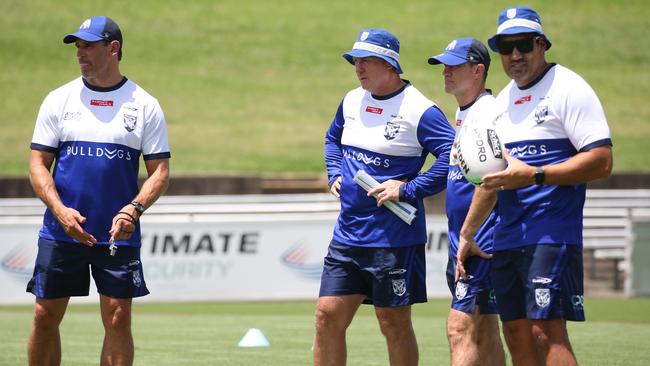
[225,258]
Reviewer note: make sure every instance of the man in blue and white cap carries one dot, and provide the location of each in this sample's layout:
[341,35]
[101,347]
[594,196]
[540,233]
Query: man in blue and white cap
[386,128]
[472,323]
[557,137]
[96,127]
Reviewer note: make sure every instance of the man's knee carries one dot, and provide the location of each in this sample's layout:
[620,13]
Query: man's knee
[395,322]
[550,331]
[460,326]
[48,317]
[45,320]
[118,320]
[517,329]
[328,322]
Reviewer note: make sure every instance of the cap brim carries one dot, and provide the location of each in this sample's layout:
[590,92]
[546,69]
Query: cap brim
[446,59]
[88,37]
[350,55]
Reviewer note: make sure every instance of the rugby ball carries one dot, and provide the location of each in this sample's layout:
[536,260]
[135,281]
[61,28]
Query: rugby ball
[479,152]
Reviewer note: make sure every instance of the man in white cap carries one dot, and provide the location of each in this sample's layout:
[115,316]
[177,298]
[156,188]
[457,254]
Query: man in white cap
[96,127]
[386,128]
[557,136]
[472,324]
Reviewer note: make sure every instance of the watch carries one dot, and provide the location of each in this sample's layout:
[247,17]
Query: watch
[139,208]
[540,176]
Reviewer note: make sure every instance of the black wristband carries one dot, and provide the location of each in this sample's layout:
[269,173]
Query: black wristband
[131,218]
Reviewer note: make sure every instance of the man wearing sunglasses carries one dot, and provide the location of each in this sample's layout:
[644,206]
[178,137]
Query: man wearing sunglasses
[557,138]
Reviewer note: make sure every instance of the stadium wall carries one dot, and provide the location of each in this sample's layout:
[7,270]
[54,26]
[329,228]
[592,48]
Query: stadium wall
[19,187]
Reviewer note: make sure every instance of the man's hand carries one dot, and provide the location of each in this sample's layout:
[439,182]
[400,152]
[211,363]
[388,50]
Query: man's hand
[518,174]
[466,249]
[386,191]
[124,223]
[335,189]
[71,221]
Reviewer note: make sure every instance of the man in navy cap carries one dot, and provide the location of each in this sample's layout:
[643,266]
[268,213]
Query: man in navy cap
[386,128]
[472,324]
[95,127]
[557,136]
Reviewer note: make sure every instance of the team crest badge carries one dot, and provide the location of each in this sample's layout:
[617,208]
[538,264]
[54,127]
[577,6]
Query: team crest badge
[391,130]
[399,287]
[364,36]
[511,13]
[542,297]
[540,113]
[130,118]
[461,290]
[137,279]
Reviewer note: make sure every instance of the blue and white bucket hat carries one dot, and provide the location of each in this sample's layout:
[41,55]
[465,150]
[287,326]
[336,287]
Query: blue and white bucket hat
[520,19]
[377,43]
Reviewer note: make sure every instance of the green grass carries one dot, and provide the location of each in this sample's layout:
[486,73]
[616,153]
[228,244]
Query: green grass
[251,86]
[616,333]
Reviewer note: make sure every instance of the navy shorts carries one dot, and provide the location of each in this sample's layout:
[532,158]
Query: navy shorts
[476,290]
[389,277]
[539,282]
[63,269]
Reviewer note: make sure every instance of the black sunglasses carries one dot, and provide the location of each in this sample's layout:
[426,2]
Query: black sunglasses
[524,45]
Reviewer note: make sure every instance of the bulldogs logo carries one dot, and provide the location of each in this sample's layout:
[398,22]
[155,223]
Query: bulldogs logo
[542,297]
[137,279]
[399,286]
[130,118]
[391,130]
[540,113]
[461,290]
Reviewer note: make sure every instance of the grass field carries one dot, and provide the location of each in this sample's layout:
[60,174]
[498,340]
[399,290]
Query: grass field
[193,334]
[251,86]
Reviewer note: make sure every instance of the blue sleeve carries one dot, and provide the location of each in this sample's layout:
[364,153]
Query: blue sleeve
[436,135]
[333,154]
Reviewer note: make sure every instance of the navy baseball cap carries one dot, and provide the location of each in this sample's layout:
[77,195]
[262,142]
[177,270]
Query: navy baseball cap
[520,19]
[99,28]
[377,43]
[462,50]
